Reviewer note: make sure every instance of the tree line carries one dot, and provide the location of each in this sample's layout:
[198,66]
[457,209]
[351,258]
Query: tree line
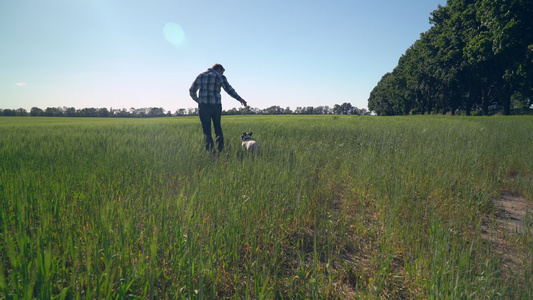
[477,55]
[151,112]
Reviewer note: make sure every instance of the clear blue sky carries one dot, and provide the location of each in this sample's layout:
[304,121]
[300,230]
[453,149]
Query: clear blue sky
[130,53]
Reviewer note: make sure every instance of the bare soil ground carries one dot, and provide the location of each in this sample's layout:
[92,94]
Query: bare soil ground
[515,213]
[514,217]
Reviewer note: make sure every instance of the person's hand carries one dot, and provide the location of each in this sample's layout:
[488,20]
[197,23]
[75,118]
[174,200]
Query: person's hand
[243,102]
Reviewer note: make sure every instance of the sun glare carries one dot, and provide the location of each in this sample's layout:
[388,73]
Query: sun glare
[174,34]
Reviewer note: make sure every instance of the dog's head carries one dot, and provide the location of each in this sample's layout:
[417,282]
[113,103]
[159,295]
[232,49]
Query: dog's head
[246,136]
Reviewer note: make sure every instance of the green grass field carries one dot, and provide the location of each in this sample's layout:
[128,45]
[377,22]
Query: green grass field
[330,207]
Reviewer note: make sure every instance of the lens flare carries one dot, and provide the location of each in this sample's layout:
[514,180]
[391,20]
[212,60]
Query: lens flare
[174,34]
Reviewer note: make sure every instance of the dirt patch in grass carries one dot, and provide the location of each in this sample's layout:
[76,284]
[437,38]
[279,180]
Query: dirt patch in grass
[513,218]
[514,213]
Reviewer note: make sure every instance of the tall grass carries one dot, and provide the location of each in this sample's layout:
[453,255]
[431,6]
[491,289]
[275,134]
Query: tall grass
[330,207]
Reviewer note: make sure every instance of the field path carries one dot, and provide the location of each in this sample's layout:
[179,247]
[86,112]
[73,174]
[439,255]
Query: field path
[513,216]
[513,211]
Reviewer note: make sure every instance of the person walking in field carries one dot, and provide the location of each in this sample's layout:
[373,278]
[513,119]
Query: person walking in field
[209,102]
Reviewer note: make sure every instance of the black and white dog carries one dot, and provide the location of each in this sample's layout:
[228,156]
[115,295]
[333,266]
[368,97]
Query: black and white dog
[247,142]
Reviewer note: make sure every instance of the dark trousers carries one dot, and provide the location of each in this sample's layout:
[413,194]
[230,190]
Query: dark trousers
[208,112]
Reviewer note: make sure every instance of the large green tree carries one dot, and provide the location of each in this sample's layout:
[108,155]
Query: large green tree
[477,52]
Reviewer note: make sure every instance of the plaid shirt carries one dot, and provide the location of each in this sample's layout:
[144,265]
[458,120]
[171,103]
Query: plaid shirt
[209,83]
